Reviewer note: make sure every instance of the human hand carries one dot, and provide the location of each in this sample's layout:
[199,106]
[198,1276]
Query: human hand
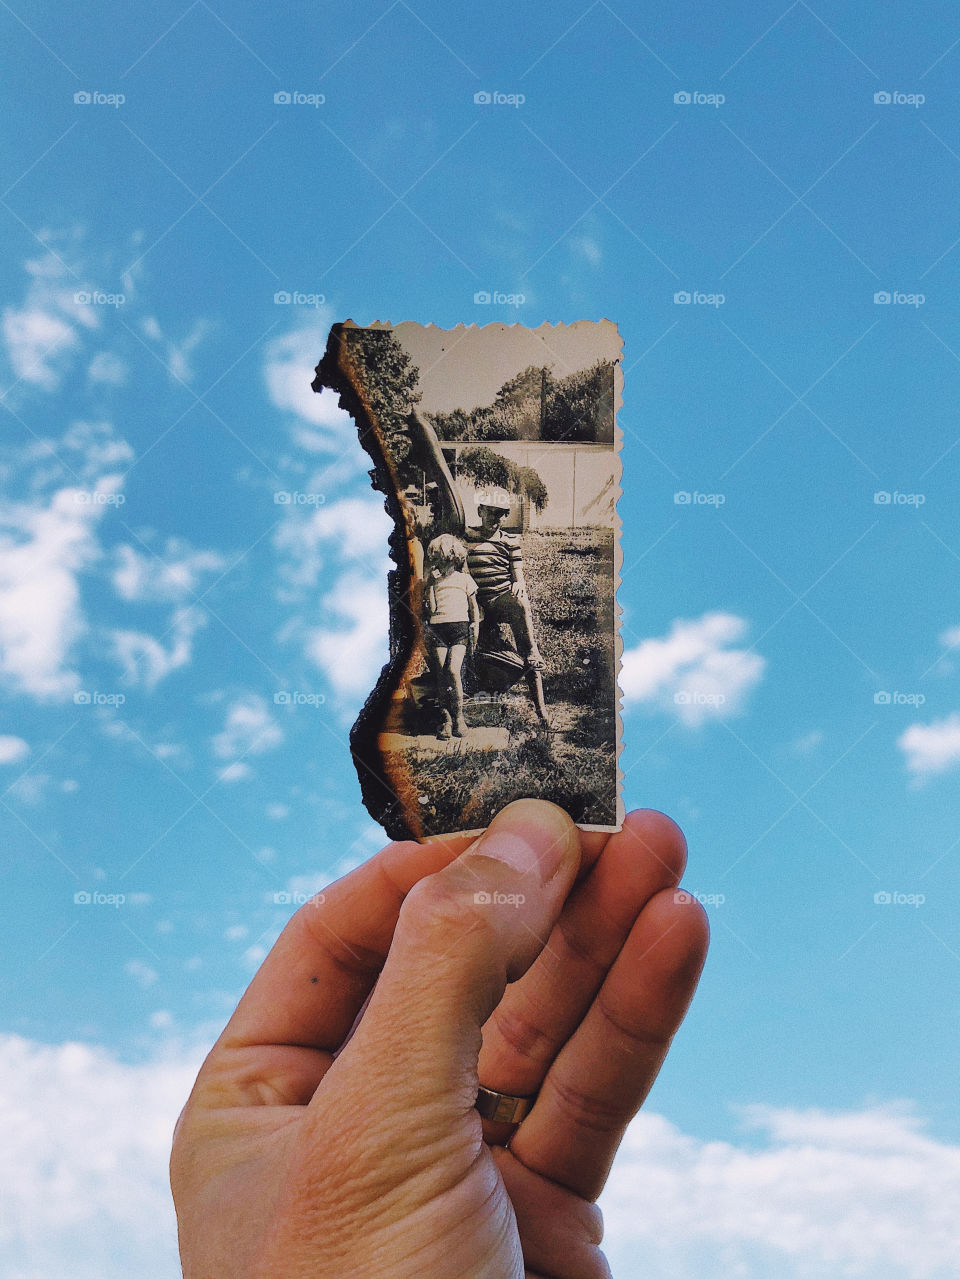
[518,591]
[298,1154]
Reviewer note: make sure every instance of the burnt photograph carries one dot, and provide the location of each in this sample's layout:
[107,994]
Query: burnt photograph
[497,451]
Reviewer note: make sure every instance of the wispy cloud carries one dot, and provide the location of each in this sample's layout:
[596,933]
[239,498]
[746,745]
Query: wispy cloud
[931,748]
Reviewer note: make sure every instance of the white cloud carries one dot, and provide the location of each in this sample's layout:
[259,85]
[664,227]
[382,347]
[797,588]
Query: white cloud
[83,1167]
[249,729]
[238,771]
[13,749]
[807,743]
[108,368]
[172,575]
[931,748]
[145,660]
[817,1194]
[950,638]
[692,672]
[307,538]
[289,370]
[43,548]
[169,577]
[808,1195]
[176,355]
[352,650]
[277,812]
[141,972]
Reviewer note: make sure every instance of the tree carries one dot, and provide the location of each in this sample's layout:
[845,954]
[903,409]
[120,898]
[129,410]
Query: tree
[487,468]
[390,382]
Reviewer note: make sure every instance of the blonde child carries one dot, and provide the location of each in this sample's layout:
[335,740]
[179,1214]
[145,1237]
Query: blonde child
[451,623]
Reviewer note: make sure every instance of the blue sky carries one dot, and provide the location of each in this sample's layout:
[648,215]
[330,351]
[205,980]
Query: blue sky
[158,401]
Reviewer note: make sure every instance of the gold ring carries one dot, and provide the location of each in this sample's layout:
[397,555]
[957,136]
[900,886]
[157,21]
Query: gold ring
[502,1107]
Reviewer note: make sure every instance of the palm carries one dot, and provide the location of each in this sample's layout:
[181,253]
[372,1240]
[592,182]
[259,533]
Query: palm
[279,1123]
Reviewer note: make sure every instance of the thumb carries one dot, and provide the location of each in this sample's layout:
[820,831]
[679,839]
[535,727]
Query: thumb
[462,935]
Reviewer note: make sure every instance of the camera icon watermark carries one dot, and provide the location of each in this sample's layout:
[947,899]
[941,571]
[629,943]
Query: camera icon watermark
[496,297]
[298,698]
[685,98]
[883,698]
[84,697]
[886,98]
[295,298]
[683,896]
[899,899]
[293,497]
[92,497]
[99,298]
[84,98]
[483,898]
[894,297]
[696,297]
[284,98]
[688,697]
[683,497]
[488,98]
[895,498]
[84,898]
[291,898]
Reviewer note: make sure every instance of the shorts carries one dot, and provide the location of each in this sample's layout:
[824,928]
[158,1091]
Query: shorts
[446,634]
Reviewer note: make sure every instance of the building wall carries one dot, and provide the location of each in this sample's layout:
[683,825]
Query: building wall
[579,478]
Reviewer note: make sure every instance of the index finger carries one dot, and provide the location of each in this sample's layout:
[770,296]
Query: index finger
[305,997]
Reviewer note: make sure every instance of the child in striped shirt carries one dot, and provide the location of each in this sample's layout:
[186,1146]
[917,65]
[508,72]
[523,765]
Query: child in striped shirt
[451,624]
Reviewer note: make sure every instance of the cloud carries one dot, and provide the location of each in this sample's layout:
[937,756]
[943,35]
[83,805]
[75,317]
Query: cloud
[172,575]
[249,729]
[807,743]
[307,538]
[352,650]
[807,1194]
[815,1193]
[931,748]
[40,336]
[692,672]
[107,368]
[238,771]
[83,1162]
[13,749]
[165,578]
[43,548]
[145,660]
[289,369]
[176,355]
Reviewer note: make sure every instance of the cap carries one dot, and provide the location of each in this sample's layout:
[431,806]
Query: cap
[498,498]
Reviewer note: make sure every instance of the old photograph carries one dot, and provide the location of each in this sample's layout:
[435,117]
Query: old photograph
[497,451]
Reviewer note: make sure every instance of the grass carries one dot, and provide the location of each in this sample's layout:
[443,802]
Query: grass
[569,576]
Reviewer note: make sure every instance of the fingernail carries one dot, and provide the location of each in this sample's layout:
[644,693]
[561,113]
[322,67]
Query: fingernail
[530,835]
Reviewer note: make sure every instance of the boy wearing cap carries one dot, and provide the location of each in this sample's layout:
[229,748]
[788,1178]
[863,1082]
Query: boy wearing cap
[495,561]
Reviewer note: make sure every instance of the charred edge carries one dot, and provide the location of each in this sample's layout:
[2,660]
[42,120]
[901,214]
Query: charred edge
[376,788]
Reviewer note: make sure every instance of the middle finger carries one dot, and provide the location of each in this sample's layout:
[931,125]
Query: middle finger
[540,1012]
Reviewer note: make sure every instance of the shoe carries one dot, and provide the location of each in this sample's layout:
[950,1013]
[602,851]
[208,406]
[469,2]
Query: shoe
[446,725]
[460,727]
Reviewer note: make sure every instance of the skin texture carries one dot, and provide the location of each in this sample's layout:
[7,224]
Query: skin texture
[537,958]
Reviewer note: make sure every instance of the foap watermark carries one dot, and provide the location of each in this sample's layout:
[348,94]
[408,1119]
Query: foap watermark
[294,898]
[83,898]
[298,698]
[894,98]
[293,497]
[88,697]
[483,898]
[99,298]
[494,98]
[693,697]
[884,498]
[683,895]
[894,297]
[287,98]
[883,698]
[695,297]
[899,899]
[93,497]
[693,98]
[494,297]
[295,298]
[683,497]
[85,98]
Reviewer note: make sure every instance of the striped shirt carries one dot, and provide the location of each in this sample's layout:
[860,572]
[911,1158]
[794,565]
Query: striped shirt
[492,561]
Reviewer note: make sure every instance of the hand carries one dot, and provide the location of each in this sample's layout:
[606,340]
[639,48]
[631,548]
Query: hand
[518,591]
[562,959]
